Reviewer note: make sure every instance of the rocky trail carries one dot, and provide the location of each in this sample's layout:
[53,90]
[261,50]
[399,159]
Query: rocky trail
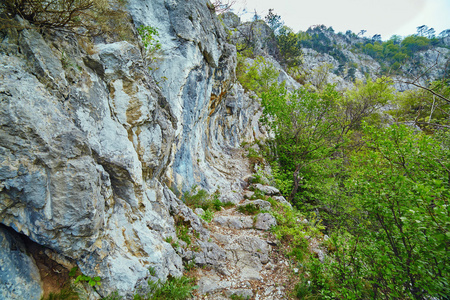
[253,265]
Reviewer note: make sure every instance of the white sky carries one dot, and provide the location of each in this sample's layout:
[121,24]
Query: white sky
[385,17]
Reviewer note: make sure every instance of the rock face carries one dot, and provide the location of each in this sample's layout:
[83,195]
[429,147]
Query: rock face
[89,140]
[19,276]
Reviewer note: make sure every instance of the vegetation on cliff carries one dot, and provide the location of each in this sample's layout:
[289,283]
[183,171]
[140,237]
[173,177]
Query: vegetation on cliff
[372,163]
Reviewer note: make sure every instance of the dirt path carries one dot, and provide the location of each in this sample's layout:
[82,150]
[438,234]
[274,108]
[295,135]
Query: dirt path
[255,267]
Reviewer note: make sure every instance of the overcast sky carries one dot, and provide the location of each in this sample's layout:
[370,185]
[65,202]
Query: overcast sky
[385,17]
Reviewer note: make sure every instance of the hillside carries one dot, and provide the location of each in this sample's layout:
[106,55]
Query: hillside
[146,142]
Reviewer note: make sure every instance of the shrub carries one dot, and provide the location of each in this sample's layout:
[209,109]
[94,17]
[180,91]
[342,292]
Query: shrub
[208,215]
[175,288]
[67,293]
[202,199]
[197,198]
[256,76]
[55,13]
[248,209]
[152,46]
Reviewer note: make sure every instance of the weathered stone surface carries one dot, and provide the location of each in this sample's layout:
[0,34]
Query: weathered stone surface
[210,254]
[248,253]
[199,211]
[89,144]
[248,194]
[267,189]
[236,222]
[230,19]
[260,204]
[283,200]
[212,114]
[265,221]
[245,293]
[19,275]
[207,285]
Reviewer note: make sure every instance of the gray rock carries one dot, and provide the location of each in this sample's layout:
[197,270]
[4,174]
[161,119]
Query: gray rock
[248,253]
[19,275]
[236,222]
[84,149]
[248,194]
[266,189]
[199,211]
[245,293]
[230,19]
[249,273]
[260,204]
[319,252]
[211,283]
[221,238]
[45,64]
[283,200]
[210,254]
[265,221]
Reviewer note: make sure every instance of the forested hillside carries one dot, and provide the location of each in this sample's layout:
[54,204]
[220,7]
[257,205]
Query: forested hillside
[163,149]
[361,146]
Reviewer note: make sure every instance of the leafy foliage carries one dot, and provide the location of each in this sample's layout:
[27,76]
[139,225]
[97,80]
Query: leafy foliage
[248,209]
[91,281]
[208,216]
[48,13]
[200,198]
[289,46]
[86,17]
[381,191]
[274,21]
[304,128]
[257,75]
[399,184]
[149,36]
[66,293]
[176,288]
[425,110]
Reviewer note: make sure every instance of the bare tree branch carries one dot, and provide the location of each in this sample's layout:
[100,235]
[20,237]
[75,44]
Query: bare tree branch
[427,89]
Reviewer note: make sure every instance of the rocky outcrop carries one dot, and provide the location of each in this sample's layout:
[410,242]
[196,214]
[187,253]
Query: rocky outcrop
[255,36]
[19,276]
[89,141]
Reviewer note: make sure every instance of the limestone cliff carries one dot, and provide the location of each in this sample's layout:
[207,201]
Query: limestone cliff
[94,144]
[90,143]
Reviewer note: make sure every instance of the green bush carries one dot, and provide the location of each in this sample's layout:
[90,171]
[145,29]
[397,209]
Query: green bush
[399,245]
[175,288]
[197,198]
[208,216]
[248,209]
[66,293]
[200,198]
[257,76]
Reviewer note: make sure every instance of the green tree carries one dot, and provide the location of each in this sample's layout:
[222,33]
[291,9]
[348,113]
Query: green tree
[303,125]
[289,46]
[397,186]
[423,108]
[274,21]
[415,43]
[402,182]
[256,75]
[363,101]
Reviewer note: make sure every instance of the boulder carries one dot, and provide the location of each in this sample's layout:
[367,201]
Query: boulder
[267,189]
[265,221]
